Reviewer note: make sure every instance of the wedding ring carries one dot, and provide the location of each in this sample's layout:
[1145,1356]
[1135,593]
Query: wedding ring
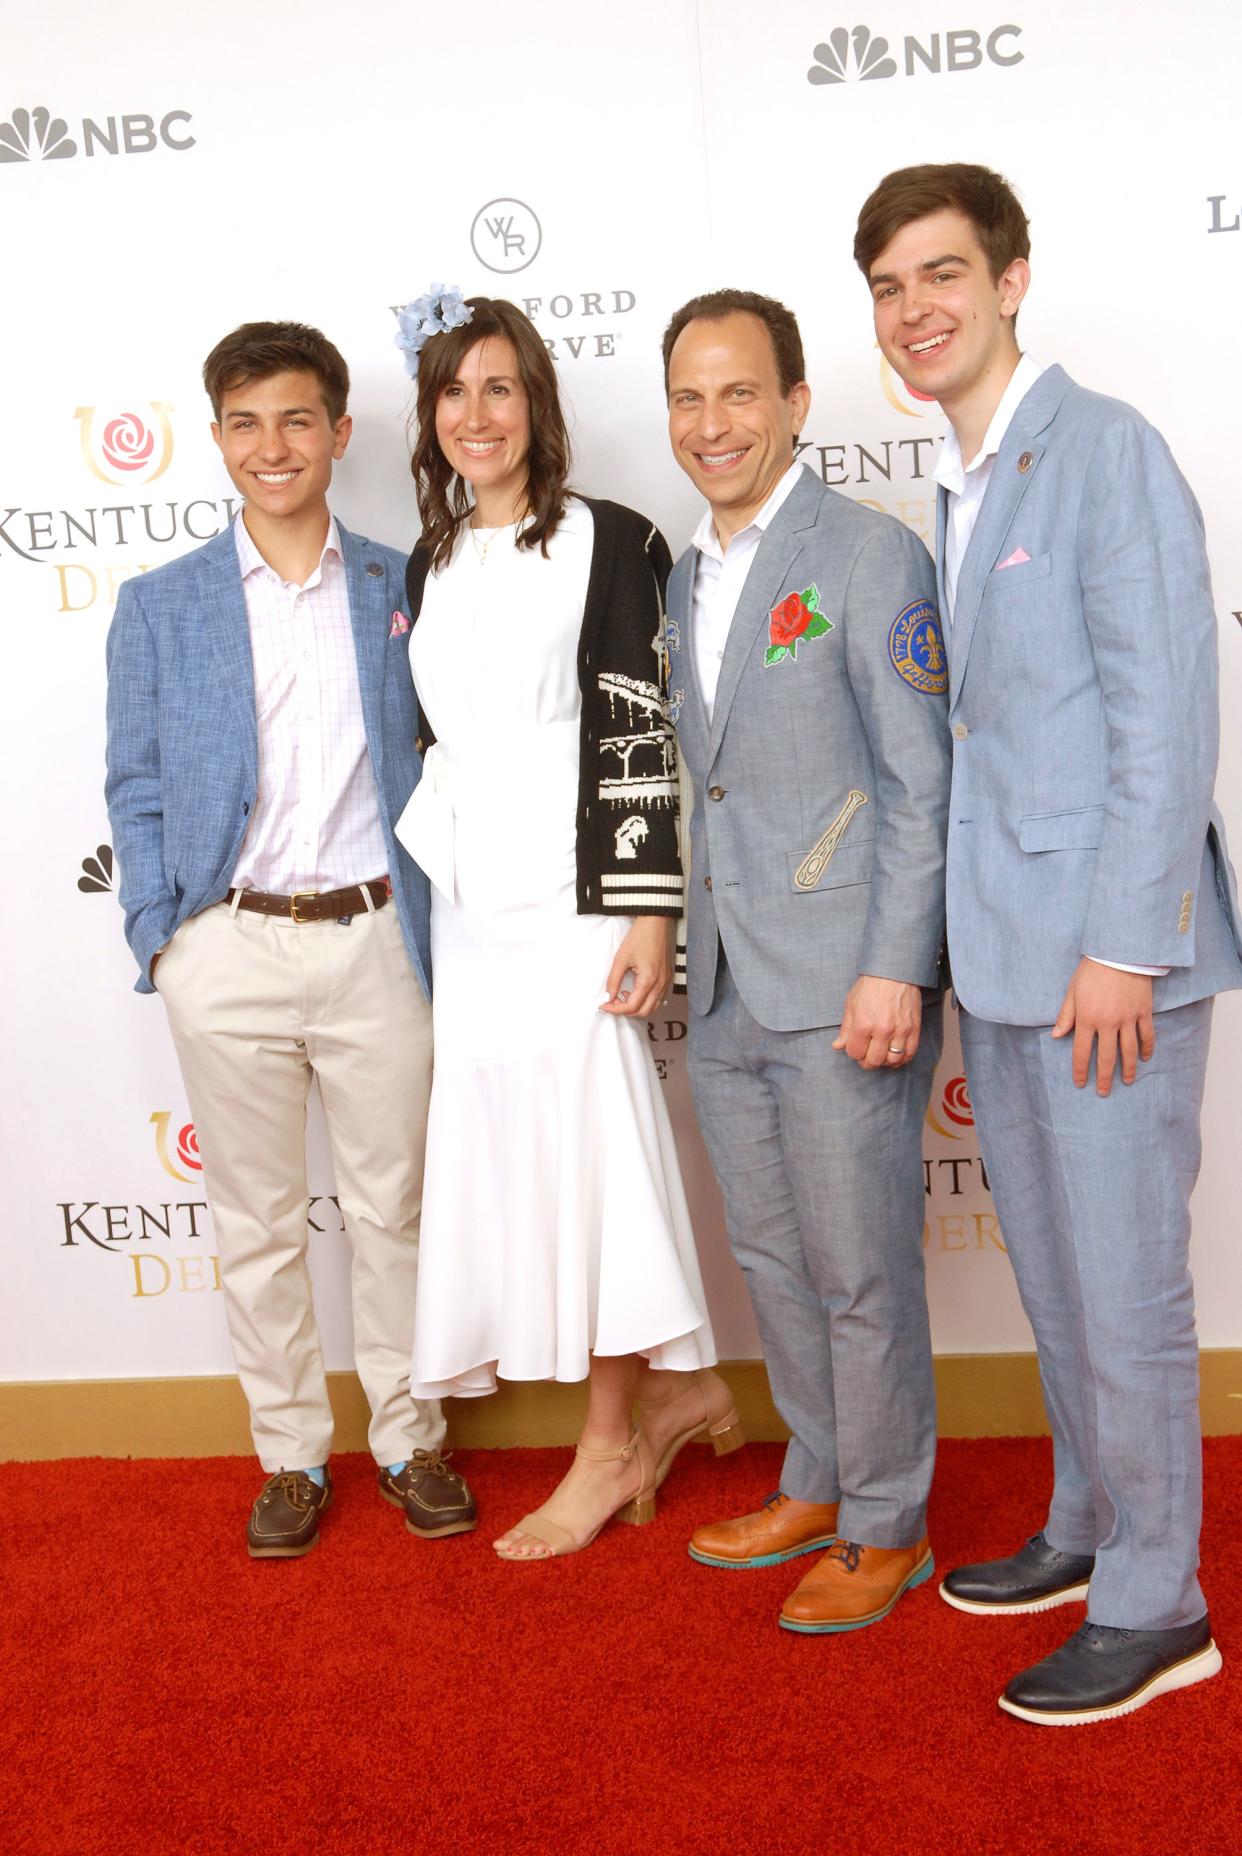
[896,1050]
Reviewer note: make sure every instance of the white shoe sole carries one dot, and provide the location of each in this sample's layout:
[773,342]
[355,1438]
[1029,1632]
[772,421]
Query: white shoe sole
[1197,1668]
[1069,1595]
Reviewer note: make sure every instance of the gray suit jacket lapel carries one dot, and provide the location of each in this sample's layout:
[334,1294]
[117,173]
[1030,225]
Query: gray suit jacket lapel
[368,600]
[1007,487]
[228,629]
[774,559]
[681,608]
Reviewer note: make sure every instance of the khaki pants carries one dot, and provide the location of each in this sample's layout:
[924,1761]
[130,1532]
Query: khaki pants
[255,1005]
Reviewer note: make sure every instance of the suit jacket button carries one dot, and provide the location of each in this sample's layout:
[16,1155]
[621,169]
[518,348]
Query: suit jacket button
[707,882]
[374,569]
[715,792]
[960,731]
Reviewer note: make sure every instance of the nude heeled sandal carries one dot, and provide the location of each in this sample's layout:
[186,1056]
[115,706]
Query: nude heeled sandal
[636,1509]
[721,1426]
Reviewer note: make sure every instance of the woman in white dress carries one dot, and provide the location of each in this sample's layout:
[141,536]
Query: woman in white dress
[555,1240]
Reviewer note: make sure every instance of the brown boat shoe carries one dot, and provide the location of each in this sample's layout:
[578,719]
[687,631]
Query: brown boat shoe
[284,1522]
[435,1498]
[855,1585]
[781,1530]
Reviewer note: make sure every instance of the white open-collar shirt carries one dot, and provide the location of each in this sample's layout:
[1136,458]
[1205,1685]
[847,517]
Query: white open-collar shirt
[719,576]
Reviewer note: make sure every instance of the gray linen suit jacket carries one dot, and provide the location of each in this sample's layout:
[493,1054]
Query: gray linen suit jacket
[1083,711]
[821,783]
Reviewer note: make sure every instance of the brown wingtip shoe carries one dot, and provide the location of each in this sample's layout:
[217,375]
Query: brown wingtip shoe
[284,1522]
[435,1498]
[781,1530]
[855,1585]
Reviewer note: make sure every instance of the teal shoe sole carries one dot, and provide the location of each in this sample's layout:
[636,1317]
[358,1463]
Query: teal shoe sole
[764,1559]
[918,1577]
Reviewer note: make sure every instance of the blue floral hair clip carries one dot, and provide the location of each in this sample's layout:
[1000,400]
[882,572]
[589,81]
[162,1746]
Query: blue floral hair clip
[443,308]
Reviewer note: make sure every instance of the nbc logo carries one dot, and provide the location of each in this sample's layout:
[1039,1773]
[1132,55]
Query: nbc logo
[96,874]
[858,53]
[37,135]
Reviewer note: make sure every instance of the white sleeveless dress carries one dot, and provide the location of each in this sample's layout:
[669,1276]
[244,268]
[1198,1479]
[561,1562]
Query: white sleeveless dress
[554,1222]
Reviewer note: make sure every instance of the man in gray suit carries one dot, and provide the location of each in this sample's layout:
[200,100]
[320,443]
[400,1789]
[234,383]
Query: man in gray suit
[1092,916]
[807,679]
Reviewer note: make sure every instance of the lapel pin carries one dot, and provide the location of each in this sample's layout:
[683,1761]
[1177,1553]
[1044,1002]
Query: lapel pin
[374,568]
[1025,461]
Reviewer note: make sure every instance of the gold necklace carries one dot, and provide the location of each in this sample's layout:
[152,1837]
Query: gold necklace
[480,548]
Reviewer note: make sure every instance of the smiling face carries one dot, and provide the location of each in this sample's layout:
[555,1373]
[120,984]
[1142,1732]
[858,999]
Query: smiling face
[941,319]
[279,444]
[483,428]
[731,427]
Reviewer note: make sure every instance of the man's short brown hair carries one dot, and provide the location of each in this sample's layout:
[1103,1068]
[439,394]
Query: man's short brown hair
[257,350]
[781,324]
[985,198]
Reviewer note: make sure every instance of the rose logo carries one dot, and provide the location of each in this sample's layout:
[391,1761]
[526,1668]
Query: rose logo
[127,443]
[130,447]
[797,616]
[187,1147]
[186,1154]
[955,1106]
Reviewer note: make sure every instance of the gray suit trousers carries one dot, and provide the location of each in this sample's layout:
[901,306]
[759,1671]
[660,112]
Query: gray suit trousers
[1093,1195]
[820,1163]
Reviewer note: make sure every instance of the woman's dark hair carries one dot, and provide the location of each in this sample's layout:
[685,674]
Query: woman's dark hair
[443,501]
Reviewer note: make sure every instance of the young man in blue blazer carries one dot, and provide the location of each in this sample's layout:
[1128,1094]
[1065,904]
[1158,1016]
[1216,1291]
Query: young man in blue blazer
[1092,917]
[261,743]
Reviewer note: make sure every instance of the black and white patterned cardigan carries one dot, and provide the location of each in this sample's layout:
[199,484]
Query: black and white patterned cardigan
[627,848]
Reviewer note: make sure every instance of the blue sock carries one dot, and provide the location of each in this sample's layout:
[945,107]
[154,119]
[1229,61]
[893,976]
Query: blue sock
[394,1469]
[316,1475]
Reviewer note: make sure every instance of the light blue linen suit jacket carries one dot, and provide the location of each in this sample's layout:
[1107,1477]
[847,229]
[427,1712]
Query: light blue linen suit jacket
[800,915]
[1083,711]
[183,753]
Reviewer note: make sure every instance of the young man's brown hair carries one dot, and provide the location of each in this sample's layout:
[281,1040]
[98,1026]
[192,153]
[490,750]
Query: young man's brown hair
[985,198]
[257,350]
[781,324]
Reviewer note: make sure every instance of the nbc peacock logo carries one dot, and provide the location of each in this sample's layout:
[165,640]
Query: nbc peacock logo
[36,135]
[845,55]
[184,1148]
[955,1107]
[127,448]
[96,877]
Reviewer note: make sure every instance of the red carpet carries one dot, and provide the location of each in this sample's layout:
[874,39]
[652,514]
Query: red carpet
[165,1696]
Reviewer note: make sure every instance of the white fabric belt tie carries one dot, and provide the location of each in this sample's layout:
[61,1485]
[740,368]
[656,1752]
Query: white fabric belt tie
[427,828]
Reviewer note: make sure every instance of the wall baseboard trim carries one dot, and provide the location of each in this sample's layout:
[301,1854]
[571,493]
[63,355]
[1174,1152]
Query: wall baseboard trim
[980,1395]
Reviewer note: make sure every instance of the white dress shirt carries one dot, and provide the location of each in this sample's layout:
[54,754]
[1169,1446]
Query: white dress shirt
[316,821]
[967,485]
[719,576]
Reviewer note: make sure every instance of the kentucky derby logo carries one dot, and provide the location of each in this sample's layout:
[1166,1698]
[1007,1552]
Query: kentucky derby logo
[186,1151]
[902,397]
[36,135]
[97,872]
[129,449]
[916,648]
[832,60]
[797,616]
[954,1107]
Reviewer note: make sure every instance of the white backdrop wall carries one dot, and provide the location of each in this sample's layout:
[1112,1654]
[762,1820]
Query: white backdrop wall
[167,173]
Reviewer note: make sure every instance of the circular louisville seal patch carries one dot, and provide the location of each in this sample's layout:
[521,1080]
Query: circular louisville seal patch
[916,649]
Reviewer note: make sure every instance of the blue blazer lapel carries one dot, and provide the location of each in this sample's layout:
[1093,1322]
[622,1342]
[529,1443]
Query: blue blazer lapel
[223,606]
[1015,466]
[774,559]
[368,617]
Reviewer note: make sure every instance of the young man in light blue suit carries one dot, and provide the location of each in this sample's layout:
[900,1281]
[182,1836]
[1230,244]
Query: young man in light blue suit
[261,743]
[807,680]
[1092,917]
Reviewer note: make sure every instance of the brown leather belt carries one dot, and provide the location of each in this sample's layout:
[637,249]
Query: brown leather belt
[313,905]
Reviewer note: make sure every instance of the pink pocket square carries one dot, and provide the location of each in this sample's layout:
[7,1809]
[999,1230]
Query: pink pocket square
[1015,559]
[400,624]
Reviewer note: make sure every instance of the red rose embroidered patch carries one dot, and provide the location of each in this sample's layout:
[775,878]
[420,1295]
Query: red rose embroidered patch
[797,616]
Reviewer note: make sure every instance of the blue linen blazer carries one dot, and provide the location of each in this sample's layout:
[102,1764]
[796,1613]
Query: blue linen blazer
[821,782]
[183,751]
[1084,718]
